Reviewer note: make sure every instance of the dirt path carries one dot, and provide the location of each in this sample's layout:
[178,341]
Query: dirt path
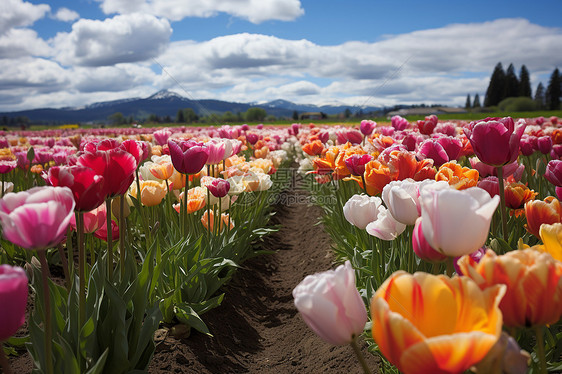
[257,328]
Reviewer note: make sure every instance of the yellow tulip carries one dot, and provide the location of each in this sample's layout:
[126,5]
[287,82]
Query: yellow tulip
[425,323]
[152,192]
[551,236]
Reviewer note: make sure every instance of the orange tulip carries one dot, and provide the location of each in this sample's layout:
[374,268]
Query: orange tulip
[425,323]
[516,195]
[377,176]
[403,165]
[457,176]
[195,199]
[313,148]
[534,284]
[261,152]
[224,220]
[538,212]
[37,169]
[327,163]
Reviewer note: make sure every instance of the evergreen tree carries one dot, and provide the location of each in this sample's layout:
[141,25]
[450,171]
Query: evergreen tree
[539,96]
[553,91]
[190,115]
[180,118]
[496,88]
[295,115]
[467,105]
[524,82]
[476,102]
[511,83]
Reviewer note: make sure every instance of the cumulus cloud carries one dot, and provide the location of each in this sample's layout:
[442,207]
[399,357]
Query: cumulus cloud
[17,13]
[117,78]
[255,11]
[18,43]
[66,15]
[32,74]
[123,38]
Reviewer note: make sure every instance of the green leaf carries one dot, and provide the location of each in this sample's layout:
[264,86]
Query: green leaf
[186,315]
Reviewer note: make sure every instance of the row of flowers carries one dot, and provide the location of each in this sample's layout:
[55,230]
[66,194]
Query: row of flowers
[451,233]
[146,228]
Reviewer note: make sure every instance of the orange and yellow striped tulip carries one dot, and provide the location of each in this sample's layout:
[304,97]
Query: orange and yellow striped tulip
[426,323]
[533,280]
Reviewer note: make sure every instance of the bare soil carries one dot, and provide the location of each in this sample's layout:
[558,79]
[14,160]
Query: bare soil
[257,329]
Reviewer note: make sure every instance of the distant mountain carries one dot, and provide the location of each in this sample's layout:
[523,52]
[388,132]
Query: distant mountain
[167,103]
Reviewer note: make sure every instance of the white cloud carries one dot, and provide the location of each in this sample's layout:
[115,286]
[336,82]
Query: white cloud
[117,78]
[124,38]
[300,88]
[255,11]
[66,15]
[17,13]
[22,42]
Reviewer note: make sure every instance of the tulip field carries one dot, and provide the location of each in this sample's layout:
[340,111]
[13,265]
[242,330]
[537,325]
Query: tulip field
[446,240]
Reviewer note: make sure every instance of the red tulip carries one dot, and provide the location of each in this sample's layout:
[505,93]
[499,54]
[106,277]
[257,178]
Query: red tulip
[116,165]
[496,141]
[87,187]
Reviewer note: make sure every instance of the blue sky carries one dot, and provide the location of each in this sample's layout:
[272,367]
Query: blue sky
[74,53]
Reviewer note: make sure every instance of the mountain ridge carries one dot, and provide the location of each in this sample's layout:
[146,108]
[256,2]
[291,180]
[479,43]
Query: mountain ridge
[167,103]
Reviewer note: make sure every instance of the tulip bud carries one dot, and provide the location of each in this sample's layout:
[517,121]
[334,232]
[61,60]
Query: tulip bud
[13,298]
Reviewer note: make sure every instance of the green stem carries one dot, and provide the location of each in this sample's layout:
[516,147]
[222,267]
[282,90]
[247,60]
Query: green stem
[450,266]
[364,184]
[47,312]
[64,261]
[540,349]
[4,362]
[81,269]
[3,180]
[109,238]
[122,234]
[360,356]
[502,202]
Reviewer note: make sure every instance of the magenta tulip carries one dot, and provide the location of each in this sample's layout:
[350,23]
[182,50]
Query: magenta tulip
[496,141]
[366,127]
[453,146]
[252,138]
[432,149]
[188,157]
[37,218]
[331,306]
[528,145]
[491,185]
[161,136]
[13,298]
[553,172]
[399,123]
[219,187]
[7,166]
[544,144]
[356,163]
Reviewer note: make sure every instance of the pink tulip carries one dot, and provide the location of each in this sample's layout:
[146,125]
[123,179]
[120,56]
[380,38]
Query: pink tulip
[496,141]
[544,144]
[13,299]
[452,146]
[399,123]
[528,145]
[422,248]
[491,185]
[216,151]
[37,218]
[7,166]
[161,136]
[331,306]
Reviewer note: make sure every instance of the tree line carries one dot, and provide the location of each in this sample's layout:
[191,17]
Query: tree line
[508,91]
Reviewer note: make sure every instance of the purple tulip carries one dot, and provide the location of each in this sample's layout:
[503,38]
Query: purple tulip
[476,256]
[37,218]
[188,157]
[496,141]
[13,298]
[356,163]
